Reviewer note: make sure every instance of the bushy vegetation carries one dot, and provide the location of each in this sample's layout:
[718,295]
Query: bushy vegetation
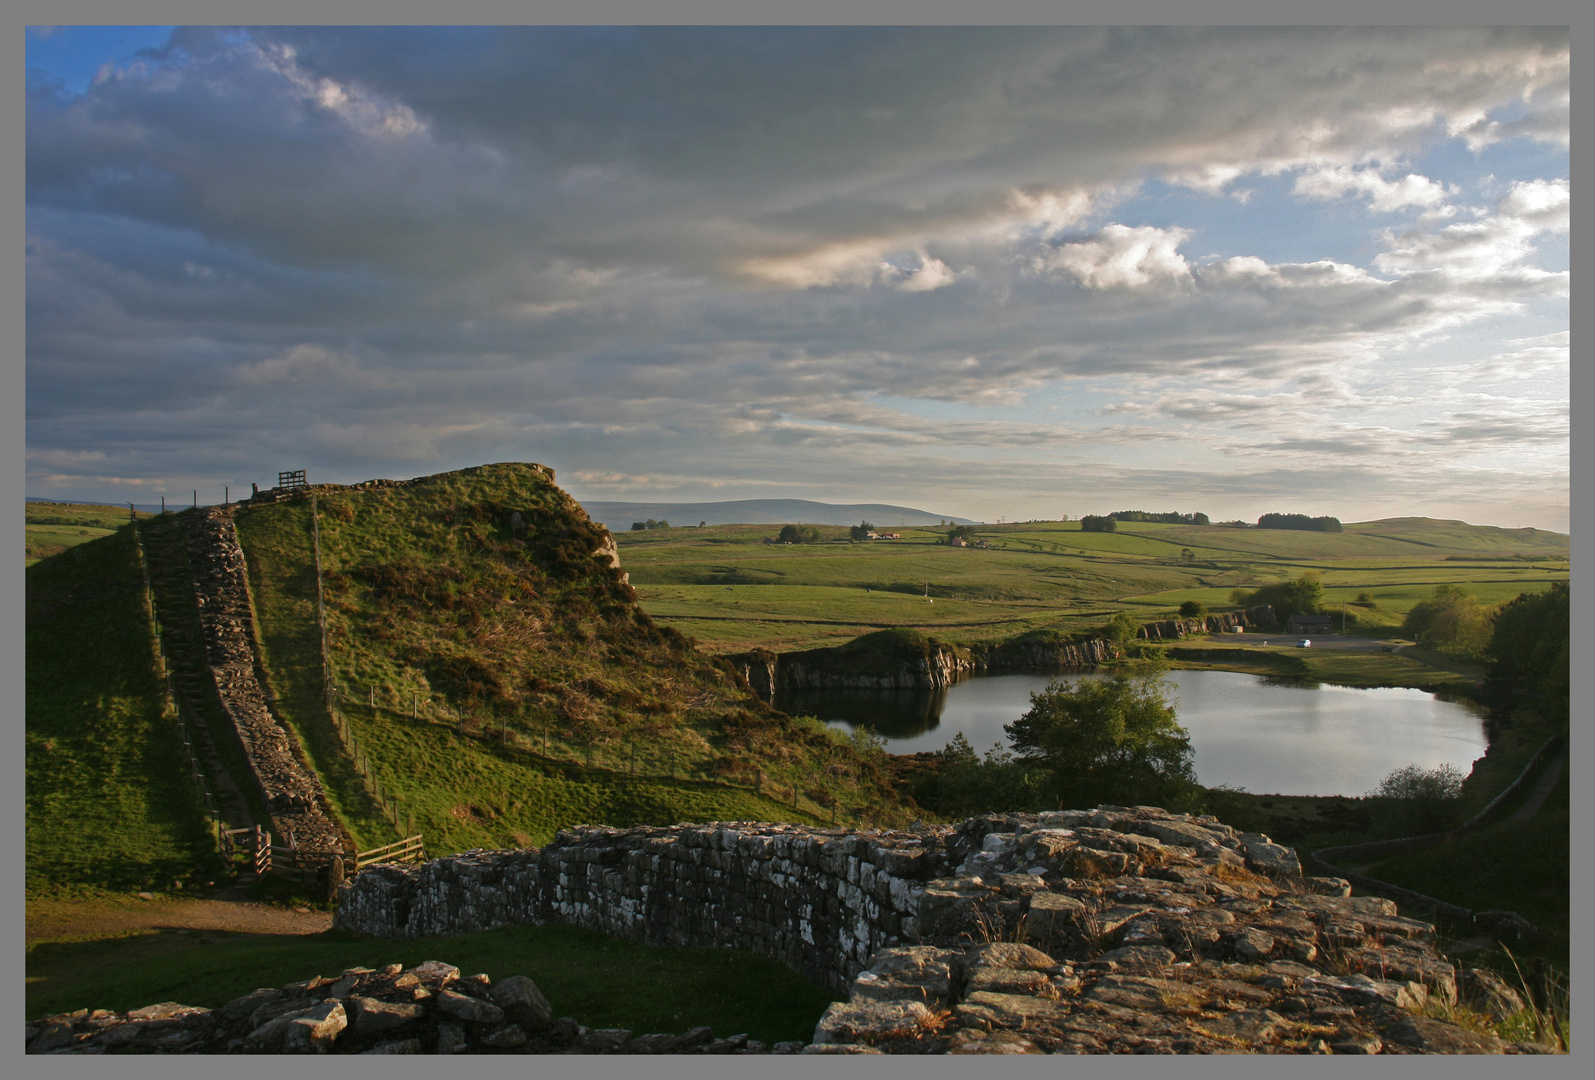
[800,534]
[1193,609]
[1170,518]
[1115,740]
[1299,523]
[1453,622]
[1416,800]
[1529,646]
[860,531]
[643,526]
[1300,596]
[1098,524]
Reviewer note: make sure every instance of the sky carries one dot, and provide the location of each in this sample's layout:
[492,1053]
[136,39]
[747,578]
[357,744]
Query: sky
[997,273]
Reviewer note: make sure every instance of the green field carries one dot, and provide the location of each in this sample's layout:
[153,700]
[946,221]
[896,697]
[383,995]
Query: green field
[726,588]
[54,527]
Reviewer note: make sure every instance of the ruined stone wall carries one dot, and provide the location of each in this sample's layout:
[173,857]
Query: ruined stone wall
[822,901]
[1173,629]
[291,791]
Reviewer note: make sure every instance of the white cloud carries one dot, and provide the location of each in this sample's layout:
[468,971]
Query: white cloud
[1384,196]
[1120,257]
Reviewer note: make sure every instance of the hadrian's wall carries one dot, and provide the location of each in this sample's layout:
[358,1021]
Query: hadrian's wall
[822,901]
[292,793]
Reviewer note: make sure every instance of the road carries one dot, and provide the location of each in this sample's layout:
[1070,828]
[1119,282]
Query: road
[1326,641]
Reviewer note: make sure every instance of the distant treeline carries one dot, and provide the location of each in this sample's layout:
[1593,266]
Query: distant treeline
[639,526]
[1170,518]
[1299,522]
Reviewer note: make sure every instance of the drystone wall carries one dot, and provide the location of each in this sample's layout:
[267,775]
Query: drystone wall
[1114,929]
[292,793]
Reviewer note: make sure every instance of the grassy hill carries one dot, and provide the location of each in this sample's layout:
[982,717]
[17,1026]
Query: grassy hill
[110,806]
[499,679]
[727,588]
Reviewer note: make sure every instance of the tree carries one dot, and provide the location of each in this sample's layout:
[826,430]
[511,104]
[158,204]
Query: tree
[1426,799]
[1107,740]
[638,526]
[1193,609]
[1097,523]
[1452,621]
[860,531]
[1122,627]
[1299,522]
[1187,556]
[1301,596]
[799,534]
[1528,649]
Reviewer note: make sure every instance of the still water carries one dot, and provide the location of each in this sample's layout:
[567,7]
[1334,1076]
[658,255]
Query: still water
[1267,737]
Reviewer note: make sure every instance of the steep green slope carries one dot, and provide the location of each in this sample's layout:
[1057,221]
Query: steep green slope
[500,680]
[109,802]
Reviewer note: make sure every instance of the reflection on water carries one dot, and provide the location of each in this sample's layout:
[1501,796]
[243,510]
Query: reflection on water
[895,714]
[1264,735]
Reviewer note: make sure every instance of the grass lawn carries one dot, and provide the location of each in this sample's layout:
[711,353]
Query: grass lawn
[110,806]
[599,981]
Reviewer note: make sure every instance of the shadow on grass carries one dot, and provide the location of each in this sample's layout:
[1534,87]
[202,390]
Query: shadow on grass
[600,981]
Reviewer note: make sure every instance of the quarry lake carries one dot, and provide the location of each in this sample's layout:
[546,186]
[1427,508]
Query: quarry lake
[1267,737]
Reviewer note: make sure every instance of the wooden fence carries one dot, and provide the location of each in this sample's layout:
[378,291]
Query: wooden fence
[290,861]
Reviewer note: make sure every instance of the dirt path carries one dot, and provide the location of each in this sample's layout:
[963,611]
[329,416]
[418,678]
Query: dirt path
[230,910]
[1543,789]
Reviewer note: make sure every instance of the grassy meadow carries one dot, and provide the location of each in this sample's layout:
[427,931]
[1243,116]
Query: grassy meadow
[723,586]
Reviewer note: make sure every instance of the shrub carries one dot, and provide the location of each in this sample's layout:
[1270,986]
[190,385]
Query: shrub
[1193,609]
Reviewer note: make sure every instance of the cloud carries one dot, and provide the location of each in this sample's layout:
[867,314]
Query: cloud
[1384,196]
[385,249]
[1120,257]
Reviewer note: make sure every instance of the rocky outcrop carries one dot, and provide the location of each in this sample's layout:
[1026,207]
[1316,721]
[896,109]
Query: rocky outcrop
[935,667]
[292,793]
[1174,629]
[1115,929]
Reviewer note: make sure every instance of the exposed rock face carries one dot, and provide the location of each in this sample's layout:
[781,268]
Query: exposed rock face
[1123,930]
[292,793]
[768,672]
[1173,629]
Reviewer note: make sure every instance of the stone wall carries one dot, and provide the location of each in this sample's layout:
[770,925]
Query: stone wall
[823,901]
[290,789]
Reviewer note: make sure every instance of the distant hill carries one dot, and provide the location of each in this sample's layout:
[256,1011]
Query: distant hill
[618,516]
